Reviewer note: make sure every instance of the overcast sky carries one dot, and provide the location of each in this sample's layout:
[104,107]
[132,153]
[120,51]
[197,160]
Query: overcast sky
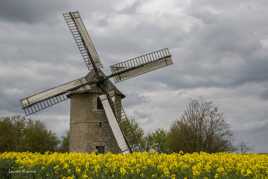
[219,48]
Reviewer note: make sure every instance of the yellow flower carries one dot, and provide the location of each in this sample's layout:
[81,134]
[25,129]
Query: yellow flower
[123,171]
[147,165]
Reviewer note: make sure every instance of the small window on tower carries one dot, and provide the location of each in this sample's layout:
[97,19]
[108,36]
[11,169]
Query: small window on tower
[99,104]
[100,124]
[100,149]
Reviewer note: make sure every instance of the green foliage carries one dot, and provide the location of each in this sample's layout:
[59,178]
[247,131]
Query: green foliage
[200,128]
[133,132]
[10,132]
[64,146]
[20,134]
[5,166]
[157,141]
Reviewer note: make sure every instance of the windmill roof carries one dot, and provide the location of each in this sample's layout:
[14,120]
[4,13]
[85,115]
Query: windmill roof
[93,88]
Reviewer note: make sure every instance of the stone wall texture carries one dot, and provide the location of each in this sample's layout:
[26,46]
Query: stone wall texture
[89,126]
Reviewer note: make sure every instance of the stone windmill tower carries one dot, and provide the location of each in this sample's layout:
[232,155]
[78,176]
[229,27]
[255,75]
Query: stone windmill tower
[96,108]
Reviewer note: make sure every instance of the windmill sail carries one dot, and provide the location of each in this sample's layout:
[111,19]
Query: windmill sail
[83,40]
[45,99]
[140,65]
[119,137]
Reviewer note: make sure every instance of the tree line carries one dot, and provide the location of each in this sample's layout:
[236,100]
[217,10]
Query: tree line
[20,134]
[201,127]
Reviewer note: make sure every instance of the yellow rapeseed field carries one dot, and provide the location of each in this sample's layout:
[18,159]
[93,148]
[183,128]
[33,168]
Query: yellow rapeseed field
[141,165]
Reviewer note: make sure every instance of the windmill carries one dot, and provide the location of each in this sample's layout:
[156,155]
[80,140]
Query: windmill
[96,109]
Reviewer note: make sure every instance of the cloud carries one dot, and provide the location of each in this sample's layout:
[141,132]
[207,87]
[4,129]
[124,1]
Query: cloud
[134,99]
[264,95]
[255,138]
[31,11]
[219,50]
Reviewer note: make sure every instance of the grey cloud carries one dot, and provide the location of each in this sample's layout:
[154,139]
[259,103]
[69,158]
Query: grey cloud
[134,99]
[141,115]
[131,8]
[225,52]
[34,58]
[31,11]
[264,95]
[9,103]
[144,118]
[216,46]
[256,138]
